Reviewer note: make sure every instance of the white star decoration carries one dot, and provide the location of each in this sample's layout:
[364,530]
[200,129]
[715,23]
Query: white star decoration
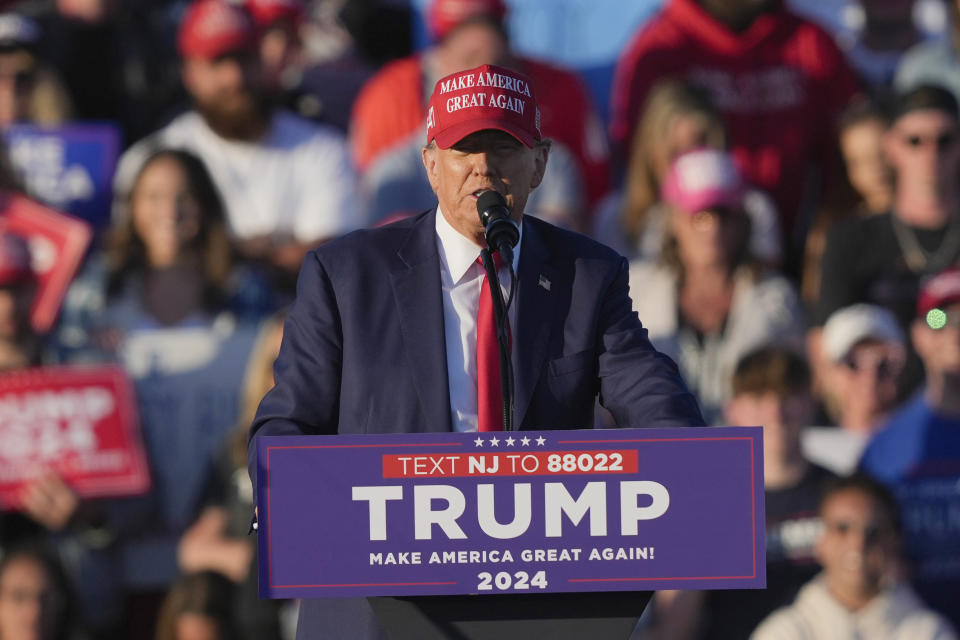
[510,441]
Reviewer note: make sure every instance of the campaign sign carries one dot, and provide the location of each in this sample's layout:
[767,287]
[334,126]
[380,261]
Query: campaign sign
[69,167]
[510,512]
[80,422]
[57,244]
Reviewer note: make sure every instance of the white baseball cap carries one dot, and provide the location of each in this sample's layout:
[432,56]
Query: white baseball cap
[848,326]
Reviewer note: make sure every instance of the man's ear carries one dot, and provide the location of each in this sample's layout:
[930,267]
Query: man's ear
[429,156]
[540,153]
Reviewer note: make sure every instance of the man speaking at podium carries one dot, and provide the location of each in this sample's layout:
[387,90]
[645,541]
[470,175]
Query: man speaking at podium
[393,329]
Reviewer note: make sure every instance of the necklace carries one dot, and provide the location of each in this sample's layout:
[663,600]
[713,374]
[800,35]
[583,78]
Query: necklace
[918,259]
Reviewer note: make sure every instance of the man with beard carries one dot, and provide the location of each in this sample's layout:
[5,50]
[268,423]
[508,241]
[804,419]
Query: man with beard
[288,184]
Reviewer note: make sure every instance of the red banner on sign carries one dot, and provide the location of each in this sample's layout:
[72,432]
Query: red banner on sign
[80,422]
[521,463]
[57,243]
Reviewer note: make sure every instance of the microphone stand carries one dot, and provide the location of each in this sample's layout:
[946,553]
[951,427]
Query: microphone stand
[500,309]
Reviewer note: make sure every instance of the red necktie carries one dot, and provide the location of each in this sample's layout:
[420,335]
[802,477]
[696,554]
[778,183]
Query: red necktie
[489,397]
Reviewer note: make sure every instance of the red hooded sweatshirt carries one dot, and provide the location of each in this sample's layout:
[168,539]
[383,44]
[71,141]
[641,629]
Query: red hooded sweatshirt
[779,85]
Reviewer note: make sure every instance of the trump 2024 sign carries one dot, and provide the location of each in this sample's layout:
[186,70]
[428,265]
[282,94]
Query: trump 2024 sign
[511,512]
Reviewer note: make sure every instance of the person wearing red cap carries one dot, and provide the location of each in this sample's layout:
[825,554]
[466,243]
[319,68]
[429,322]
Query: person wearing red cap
[288,183]
[386,332]
[917,453]
[392,105]
[281,46]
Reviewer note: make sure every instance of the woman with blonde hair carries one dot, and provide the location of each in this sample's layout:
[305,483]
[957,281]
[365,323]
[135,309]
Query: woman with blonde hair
[677,117]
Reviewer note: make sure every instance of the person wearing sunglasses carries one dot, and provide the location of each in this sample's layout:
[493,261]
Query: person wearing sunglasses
[882,259]
[917,453]
[865,352]
[858,594]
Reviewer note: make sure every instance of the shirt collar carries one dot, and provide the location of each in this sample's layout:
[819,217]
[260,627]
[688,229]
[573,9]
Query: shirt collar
[458,253]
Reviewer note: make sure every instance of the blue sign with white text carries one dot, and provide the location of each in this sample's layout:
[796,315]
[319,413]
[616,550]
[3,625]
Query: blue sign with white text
[69,167]
[519,512]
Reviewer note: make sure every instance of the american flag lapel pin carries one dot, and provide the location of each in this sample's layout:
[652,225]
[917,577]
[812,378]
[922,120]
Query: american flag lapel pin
[544,282]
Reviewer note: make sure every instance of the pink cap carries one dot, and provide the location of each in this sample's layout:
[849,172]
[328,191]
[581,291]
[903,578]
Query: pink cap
[211,28]
[940,291]
[445,15]
[703,179]
[485,97]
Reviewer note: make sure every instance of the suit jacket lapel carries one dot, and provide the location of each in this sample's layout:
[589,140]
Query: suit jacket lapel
[535,318]
[416,287]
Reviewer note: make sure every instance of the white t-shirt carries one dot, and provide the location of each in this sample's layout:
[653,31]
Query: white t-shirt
[297,182]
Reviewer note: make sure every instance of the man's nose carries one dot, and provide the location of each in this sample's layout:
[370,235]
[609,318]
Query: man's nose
[857,538]
[483,163]
[232,73]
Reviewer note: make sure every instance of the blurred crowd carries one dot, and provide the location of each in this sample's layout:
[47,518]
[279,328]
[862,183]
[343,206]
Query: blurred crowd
[786,188]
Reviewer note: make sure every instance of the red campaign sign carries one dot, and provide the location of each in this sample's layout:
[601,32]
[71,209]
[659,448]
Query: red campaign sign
[79,421]
[526,463]
[57,243]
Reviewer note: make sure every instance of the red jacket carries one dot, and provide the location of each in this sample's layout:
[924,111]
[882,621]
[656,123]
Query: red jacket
[391,107]
[779,86]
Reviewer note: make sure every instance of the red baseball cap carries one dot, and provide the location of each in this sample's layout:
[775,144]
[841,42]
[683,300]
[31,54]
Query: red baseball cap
[266,12]
[485,97]
[942,290]
[444,16]
[211,28]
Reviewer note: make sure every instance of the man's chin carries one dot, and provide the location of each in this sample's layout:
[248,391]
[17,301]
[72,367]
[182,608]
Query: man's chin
[245,121]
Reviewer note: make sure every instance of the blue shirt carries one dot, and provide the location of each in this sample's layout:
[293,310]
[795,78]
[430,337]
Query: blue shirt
[917,454]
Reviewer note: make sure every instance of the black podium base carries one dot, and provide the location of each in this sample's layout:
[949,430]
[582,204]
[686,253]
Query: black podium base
[560,616]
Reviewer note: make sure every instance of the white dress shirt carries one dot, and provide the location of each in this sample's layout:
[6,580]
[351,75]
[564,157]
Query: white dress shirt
[460,280]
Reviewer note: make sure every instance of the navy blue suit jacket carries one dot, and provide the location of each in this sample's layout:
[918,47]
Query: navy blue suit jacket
[364,352]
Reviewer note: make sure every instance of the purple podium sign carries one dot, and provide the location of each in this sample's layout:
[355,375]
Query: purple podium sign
[520,512]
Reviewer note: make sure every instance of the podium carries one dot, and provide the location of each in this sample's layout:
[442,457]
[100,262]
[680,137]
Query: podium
[535,534]
[563,616]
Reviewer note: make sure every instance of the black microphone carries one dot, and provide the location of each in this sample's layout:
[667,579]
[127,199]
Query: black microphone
[501,233]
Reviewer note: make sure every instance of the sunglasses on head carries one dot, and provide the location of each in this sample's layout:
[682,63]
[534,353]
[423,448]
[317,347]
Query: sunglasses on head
[943,141]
